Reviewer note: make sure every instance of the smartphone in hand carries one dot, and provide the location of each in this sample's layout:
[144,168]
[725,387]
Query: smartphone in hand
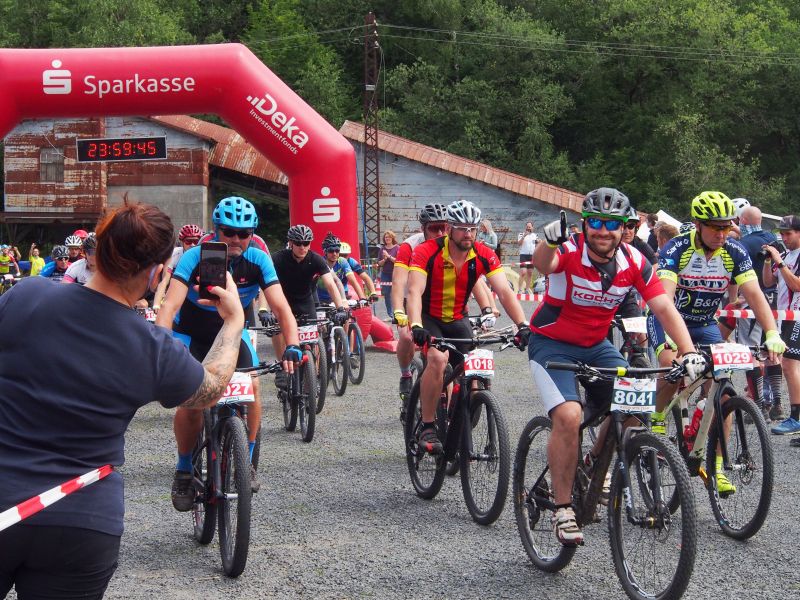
[213,267]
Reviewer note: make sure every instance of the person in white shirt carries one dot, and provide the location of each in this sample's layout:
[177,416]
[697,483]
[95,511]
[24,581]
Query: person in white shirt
[527,242]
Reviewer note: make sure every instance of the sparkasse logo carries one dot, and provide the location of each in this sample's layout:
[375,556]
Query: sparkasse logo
[277,123]
[56,80]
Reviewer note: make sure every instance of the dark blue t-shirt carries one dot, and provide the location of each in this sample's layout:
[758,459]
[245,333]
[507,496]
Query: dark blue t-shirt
[752,243]
[75,366]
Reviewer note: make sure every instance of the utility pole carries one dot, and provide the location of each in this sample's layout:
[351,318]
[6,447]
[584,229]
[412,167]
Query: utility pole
[372,211]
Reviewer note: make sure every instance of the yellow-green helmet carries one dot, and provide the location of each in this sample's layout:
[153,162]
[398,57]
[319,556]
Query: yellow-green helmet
[713,206]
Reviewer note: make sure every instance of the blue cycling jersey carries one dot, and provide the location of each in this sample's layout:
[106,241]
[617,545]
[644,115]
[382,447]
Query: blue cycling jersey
[341,269]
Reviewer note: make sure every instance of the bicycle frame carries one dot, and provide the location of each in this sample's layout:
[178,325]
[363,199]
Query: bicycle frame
[234,410]
[458,407]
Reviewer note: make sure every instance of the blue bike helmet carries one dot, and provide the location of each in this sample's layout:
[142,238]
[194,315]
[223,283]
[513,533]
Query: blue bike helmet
[235,212]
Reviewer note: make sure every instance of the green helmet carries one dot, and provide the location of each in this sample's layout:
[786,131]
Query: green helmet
[713,206]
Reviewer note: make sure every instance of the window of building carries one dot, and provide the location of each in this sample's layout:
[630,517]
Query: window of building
[51,164]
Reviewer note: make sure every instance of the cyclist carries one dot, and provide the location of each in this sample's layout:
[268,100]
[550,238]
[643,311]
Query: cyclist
[56,268]
[332,246]
[368,284]
[188,236]
[588,277]
[74,244]
[442,274]
[299,268]
[8,265]
[82,270]
[197,324]
[696,269]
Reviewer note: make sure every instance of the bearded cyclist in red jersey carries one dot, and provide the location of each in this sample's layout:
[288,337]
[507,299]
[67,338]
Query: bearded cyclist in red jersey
[588,277]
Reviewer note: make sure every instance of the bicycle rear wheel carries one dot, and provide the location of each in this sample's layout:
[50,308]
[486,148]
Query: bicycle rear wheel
[416,370]
[307,398]
[426,470]
[742,513]
[289,404]
[654,557]
[322,374]
[234,510]
[531,488]
[340,362]
[204,511]
[357,354]
[485,458]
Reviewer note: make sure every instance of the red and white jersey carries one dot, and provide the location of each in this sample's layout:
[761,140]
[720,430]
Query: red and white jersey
[403,258]
[576,308]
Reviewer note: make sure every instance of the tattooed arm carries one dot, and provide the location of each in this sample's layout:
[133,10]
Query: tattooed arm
[221,359]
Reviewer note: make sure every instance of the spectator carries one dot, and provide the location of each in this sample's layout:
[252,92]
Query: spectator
[574,229]
[527,242]
[386,263]
[765,388]
[8,264]
[629,237]
[487,235]
[782,269]
[37,262]
[664,233]
[56,427]
[652,239]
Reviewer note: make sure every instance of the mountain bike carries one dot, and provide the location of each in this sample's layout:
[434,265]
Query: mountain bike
[356,342]
[221,471]
[746,453]
[653,547]
[337,349]
[469,423]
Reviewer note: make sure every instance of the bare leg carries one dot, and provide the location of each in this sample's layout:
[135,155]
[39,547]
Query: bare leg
[562,450]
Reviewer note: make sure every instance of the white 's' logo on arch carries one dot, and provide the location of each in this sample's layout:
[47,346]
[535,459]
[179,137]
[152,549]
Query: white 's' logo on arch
[326,210]
[57,80]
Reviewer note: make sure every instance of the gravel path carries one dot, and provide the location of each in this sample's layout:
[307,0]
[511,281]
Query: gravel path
[338,518]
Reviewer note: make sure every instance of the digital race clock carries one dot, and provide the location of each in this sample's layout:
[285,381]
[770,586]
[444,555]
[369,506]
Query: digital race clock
[111,149]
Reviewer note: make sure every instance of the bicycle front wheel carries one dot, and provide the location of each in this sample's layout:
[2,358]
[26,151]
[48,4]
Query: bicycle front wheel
[322,374]
[485,458]
[234,510]
[653,548]
[204,511]
[426,470]
[289,405]
[340,362]
[741,513]
[307,399]
[357,354]
[533,496]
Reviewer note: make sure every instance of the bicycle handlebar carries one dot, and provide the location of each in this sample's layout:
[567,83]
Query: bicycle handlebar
[262,368]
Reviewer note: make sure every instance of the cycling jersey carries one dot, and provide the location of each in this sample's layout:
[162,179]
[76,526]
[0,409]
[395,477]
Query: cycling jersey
[298,279]
[447,291]
[251,271]
[355,265]
[78,272]
[341,268]
[174,259]
[52,272]
[577,306]
[702,283]
[406,249]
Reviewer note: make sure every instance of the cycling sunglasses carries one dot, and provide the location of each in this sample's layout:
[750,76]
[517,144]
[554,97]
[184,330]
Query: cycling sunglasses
[436,227]
[191,241]
[598,223]
[63,258]
[301,243]
[463,229]
[631,224]
[719,228]
[242,234]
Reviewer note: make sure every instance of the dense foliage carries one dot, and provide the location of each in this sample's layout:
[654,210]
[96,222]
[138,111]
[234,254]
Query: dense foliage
[660,99]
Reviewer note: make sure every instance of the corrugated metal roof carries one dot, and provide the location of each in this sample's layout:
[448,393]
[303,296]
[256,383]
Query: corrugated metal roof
[230,150]
[445,161]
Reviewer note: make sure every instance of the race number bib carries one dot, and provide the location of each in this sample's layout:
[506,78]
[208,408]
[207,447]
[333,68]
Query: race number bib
[479,363]
[634,395]
[635,325]
[150,314]
[731,357]
[239,390]
[307,333]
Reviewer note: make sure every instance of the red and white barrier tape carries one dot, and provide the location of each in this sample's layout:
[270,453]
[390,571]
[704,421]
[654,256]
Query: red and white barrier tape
[784,315]
[31,506]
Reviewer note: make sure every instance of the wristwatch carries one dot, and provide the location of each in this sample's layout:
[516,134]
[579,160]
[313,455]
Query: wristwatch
[780,265]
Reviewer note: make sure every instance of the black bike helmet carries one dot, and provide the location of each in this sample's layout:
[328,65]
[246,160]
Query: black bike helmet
[432,213]
[300,233]
[331,242]
[606,202]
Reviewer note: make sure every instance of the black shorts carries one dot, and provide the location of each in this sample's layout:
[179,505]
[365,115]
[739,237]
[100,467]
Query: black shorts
[56,562]
[454,329]
[790,333]
[526,258]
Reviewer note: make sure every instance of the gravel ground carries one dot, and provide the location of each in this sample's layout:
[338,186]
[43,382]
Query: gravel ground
[338,518]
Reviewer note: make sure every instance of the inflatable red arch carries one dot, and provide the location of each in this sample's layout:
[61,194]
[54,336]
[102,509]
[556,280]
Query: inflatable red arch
[227,80]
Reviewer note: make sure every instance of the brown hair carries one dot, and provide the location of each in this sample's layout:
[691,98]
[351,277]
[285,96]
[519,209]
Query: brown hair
[131,238]
[666,232]
[391,234]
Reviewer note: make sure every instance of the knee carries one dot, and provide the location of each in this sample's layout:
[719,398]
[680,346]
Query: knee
[437,360]
[566,418]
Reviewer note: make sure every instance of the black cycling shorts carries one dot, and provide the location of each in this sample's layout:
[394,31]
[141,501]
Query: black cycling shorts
[453,329]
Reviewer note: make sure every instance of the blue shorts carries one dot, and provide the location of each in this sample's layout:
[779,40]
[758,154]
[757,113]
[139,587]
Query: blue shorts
[700,334]
[557,387]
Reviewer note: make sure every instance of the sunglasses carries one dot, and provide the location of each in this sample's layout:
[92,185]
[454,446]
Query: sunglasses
[462,229]
[301,244]
[63,258]
[191,241]
[333,251]
[631,225]
[242,234]
[440,227]
[718,228]
[598,223]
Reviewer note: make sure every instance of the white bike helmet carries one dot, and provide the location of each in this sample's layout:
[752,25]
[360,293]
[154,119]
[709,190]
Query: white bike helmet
[462,212]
